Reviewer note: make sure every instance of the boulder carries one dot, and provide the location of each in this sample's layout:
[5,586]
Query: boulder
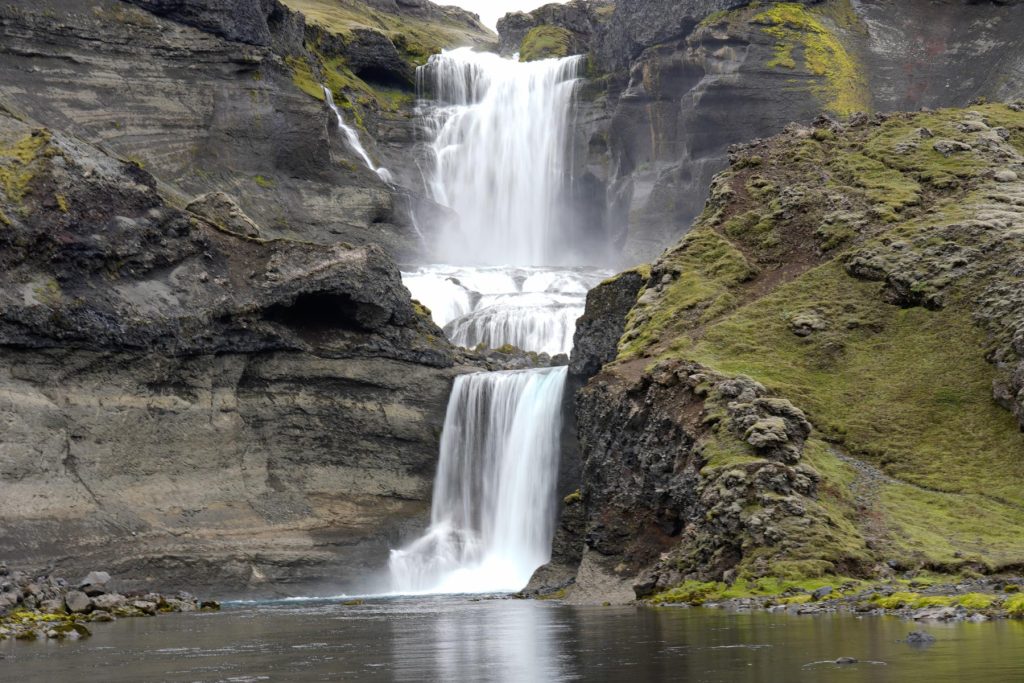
[52,607]
[77,601]
[108,601]
[95,583]
[145,606]
[222,211]
[950,147]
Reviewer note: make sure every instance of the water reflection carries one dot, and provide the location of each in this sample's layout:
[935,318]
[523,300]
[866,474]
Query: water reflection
[515,643]
[456,639]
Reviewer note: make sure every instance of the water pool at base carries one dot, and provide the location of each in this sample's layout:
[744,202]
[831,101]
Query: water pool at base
[461,639]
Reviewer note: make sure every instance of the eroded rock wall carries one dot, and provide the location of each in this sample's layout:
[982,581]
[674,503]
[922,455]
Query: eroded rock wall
[188,403]
[203,96]
[674,84]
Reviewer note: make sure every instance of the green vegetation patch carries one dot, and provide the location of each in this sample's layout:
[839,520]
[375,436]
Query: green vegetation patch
[785,591]
[17,167]
[920,398]
[704,265]
[950,531]
[796,27]
[415,37]
[545,42]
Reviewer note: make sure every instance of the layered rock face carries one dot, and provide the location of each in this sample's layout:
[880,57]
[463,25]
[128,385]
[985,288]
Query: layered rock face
[192,405]
[682,81]
[823,377]
[239,394]
[205,96]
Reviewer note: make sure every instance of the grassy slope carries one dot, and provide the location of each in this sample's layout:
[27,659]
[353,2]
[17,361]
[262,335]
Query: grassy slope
[415,37]
[902,386]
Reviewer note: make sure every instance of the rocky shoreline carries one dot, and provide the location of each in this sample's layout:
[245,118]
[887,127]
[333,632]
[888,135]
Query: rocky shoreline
[914,599]
[42,607]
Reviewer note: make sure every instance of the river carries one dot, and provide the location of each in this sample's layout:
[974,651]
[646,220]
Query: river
[466,639]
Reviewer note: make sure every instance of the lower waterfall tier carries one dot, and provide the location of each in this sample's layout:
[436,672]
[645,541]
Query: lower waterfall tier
[493,510]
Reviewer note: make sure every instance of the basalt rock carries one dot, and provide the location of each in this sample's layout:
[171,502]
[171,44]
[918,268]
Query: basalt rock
[682,81]
[206,97]
[279,400]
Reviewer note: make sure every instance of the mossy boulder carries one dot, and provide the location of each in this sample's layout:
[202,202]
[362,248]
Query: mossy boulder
[546,42]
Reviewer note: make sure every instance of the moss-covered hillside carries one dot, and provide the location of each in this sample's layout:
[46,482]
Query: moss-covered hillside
[870,273]
[367,56]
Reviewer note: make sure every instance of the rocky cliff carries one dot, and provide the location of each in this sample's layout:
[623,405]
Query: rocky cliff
[823,377]
[191,404]
[674,84]
[225,96]
[211,373]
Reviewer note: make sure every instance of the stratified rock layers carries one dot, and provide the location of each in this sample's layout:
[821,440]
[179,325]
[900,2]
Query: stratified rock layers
[190,405]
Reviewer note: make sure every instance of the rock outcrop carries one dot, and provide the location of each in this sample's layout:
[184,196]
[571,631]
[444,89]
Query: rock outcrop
[809,383]
[191,405]
[676,83]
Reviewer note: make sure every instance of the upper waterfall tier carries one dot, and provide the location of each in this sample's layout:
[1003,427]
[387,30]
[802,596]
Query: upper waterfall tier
[498,131]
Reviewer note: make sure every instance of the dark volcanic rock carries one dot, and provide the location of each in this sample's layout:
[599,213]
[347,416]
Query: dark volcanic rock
[581,18]
[278,399]
[246,21]
[202,95]
[599,329]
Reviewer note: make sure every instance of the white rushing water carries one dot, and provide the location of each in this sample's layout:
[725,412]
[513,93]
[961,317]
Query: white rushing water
[352,137]
[531,308]
[499,132]
[494,496]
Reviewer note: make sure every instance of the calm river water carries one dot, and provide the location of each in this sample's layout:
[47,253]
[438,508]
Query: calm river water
[457,639]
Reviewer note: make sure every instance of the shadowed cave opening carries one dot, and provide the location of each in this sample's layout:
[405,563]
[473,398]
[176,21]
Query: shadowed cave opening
[327,312]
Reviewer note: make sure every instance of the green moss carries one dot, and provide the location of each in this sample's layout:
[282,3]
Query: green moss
[545,42]
[1014,606]
[783,57]
[573,498]
[706,265]
[781,591]
[48,292]
[976,601]
[62,203]
[263,181]
[416,37]
[946,530]
[917,393]
[932,601]
[884,186]
[897,600]
[844,88]
[17,163]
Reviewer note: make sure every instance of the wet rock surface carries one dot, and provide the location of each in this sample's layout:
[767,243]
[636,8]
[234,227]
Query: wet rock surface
[49,607]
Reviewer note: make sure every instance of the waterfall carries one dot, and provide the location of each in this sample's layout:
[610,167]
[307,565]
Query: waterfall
[499,131]
[352,137]
[493,512]
[531,308]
